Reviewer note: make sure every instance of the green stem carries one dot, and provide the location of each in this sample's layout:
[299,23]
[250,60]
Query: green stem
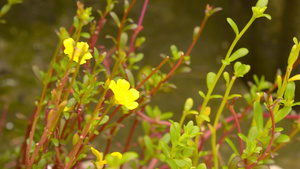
[214,132]
[211,88]
[182,118]
[237,38]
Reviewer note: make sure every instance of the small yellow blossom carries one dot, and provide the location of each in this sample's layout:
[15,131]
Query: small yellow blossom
[117,154]
[81,50]
[100,162]
[124,95]
[67,109]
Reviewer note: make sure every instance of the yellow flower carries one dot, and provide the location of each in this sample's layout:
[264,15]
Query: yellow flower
[100,162]
[117,154]
[124,95]
[81,50]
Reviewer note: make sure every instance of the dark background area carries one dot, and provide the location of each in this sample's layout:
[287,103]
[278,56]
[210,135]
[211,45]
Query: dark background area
[28,38]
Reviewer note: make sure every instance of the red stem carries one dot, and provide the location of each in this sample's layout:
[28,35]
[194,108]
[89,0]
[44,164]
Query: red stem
[155,70]
[237,125]
[139,28]
[168,75]
[127,145]
[270,143]
[122,24]
[290,116]
[197,36]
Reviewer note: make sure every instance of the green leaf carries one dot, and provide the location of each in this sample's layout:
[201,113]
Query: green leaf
[203,117]
[283,138]
[175,131]
[76,22]
[175,52]
[146,127]
[165,148]
[85,35]
[130,77]
[126,5]
[71,102]
[226,77]
[166,115]
[233,26]
[55,142]
[149,145]
[104,120]
[123,40]
[182,163]
[201,166]
[130,27]
[166,138]
[241,69]
[253,133]
[282,113]
[139,57]
[192,112]
[242,136]
[262,3]
[171,163]
[139,41]
[231,144]
[96,53]
[294,78]
[67,159]
[12,2]
[202,94]
[187,152]
[115,18]
[42,163]
[290,91]
[129,156]
[233,164]
[210,78]
[81,156]
[258,115]
[37,72]
[215,96]
[233,96]
[238,54]
[188,104]
[5,9]
[75,139]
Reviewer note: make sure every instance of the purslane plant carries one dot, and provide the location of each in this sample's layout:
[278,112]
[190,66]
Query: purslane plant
[88,91]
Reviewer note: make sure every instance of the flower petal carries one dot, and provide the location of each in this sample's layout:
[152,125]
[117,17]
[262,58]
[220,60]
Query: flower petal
[96,153]
[123,85]
[113,85]
[131,105]
[117,154]
[69,48]
[86,56]
[133,93]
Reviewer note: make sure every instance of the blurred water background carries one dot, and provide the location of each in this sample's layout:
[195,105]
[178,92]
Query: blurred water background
[28,38]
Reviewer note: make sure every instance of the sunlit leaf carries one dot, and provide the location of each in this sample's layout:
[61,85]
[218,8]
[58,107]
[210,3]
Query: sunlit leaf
[258,115]
[115,18]
[210,78]
[233,26]
[238,54]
